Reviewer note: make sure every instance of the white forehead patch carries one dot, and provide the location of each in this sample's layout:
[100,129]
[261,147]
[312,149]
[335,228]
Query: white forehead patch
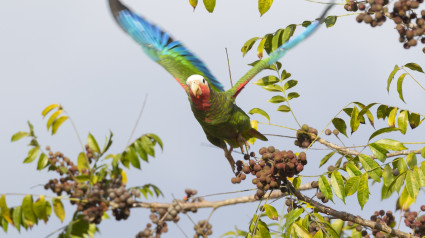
[195,78]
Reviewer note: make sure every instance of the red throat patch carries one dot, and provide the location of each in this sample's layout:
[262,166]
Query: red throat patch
[201,102]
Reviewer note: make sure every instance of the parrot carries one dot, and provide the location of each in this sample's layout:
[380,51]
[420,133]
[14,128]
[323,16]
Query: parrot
[223,122]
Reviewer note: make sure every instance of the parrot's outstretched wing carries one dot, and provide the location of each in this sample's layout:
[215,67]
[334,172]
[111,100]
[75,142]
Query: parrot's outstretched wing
[276,55]
[160,47]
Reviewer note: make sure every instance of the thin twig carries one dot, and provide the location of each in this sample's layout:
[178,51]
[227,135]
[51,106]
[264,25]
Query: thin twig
[137,121]
[228,65]
[76,131]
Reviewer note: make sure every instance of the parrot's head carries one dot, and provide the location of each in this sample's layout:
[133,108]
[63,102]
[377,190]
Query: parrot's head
[198,87]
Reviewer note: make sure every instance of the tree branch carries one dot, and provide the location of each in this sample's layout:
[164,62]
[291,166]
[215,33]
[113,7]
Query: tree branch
[347,216]
[347,151]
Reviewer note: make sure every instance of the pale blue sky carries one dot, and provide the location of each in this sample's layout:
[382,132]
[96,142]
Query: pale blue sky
[73,53]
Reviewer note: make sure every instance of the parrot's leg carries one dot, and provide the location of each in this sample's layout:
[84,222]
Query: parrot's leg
[228,155]
[242,142]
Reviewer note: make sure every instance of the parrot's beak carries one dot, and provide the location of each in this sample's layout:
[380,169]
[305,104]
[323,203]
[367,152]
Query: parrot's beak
[196,89]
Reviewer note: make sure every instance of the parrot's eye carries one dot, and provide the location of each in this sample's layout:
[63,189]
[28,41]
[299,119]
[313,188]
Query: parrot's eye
[203,81]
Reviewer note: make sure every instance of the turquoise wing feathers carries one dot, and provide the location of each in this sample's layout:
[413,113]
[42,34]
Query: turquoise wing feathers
[160,47]
[276,55]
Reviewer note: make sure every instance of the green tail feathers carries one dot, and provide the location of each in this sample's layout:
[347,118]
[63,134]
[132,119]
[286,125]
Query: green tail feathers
[257,134]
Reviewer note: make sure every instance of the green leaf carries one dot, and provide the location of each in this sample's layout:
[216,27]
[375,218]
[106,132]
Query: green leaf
[57,123]
[261,112]
[306,23]
[83,162]
[283,108]
[147,146]
[392,116]
[289,31]
[381,112]
[5,213]
[387,175]
[19,135]
[264,6]
[411,160]
[49,108]
[351,185]
[354,120]
[285,75]
[271,212]
[292,216]
[420,176]
[379,152]
[277,99]
[156,139]
[414,120]
[403,120]
[326,158]
[43,161]
[301,231]
[397,182]
[193,3]
[296,182]
[423,152]
[391,144]
[412,184]
[91,141]
[325,187]
[352,170]
[248,45]
[28,211]
[276,41]
[40,209]
[140,151]
[134,160]
[290,84]
[400,164]
[53,118]
[330,21]
[363,190]
[340,125]
[267,80]
[415,67]
[400,86]
[293,95]
[273,88]
[391,77]
[382,131]
[371,167]
[17,217]
[58,209]
[32,154]
[260,48]
[209,5]
[338,185]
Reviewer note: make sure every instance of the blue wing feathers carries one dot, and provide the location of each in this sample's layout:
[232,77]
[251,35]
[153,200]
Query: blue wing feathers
[150,36]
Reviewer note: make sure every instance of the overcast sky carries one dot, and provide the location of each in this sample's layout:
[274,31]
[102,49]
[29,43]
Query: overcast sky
[73,53]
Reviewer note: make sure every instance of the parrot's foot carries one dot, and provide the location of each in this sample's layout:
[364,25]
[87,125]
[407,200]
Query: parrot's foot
[228,155]
[243,142]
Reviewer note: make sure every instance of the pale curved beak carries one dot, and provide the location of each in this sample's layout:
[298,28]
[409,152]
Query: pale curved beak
[196,89]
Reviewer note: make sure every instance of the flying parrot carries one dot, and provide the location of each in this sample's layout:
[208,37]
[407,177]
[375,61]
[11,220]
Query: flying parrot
[214,108]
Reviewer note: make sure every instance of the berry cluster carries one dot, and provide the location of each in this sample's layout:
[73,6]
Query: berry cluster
[291,204]
[271,170]
[410,23]
[380,217]
[123,198]
[416,223]
[203,229]
[149,232]
[313,227]
[305,136]
[92,200]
